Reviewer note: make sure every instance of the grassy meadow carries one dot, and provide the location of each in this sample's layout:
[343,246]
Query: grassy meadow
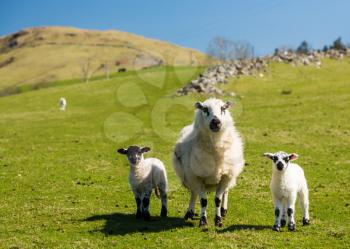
[62,185]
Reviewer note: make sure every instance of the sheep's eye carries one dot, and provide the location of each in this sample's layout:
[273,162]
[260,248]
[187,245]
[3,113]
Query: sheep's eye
[286,159]
[206,110]
[275,158]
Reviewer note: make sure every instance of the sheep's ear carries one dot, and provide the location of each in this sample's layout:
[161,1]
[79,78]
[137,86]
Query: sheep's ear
[293,156]
[228,104]
[145,149]
[198,105]
[122,151]
[268,155]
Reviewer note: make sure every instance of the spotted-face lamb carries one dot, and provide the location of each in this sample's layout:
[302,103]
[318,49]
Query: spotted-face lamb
[145,175]
[288,181]
[208,156]
[63,104]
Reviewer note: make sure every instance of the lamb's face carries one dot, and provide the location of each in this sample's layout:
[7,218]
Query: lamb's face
[134,154]
[281,159]
[214,113]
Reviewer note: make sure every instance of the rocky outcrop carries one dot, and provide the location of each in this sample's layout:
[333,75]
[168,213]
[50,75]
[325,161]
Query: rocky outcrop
[207,82]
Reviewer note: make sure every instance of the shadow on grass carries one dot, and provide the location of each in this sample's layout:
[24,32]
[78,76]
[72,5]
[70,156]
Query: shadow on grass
[121,224]
[239,227]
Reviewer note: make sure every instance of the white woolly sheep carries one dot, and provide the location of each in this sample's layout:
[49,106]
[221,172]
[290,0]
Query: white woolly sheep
[288,181]
[208,156]
[63,104]
[145,175]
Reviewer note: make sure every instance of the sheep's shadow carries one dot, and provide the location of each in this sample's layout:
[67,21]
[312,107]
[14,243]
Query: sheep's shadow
[239,227]
[121,224]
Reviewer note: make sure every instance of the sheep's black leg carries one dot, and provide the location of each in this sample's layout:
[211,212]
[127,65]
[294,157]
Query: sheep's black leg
[138,206]
[164,199]
[145,206]
[217,219]
[203,220]
[190,211]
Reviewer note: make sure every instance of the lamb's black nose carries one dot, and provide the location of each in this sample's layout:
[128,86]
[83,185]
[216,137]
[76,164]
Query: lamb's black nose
[279,165]
[215,124]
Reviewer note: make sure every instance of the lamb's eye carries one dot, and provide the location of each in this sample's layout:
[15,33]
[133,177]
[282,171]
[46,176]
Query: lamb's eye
[286,159]
[206,110]
[275,158]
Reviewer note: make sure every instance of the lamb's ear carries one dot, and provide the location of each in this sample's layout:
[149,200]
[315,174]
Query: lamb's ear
[122,151]
[145,149]
[293,156]
[198,105]
[268,155]
[228,104]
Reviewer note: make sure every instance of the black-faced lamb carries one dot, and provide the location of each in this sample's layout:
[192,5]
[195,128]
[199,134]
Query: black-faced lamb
[208,156]
[288,181]
[145,175]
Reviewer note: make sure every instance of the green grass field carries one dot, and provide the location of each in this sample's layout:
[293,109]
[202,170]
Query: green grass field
[64,186]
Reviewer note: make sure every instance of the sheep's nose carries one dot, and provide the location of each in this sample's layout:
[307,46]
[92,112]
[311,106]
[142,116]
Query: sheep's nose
[215,124]
[279,165]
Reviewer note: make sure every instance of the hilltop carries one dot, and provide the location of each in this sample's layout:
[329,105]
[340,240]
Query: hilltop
[46,54]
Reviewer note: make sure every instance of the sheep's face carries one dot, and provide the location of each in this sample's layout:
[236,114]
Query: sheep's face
[213,112]
[134,154]
[281,159]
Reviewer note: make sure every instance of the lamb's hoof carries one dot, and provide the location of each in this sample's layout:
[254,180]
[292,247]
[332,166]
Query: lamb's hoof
[217,221]
[276,228]
[203,222]
[189,215]
[223,212]
[283,223]
[291,227]
[164,212]
[139,214]
[306,222]
[146,216]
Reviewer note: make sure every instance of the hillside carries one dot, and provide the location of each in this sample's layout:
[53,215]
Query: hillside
[64,186]
[46,54]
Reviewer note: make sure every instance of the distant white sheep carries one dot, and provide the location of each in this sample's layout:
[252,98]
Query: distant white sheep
[288,181]
[145,175]
[208,156]
[63,104]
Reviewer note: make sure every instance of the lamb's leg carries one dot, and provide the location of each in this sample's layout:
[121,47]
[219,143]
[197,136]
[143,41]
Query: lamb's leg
[284,214]
[164,199]
[203,220]
[138,204]
[145,205]
[224,203]
[190,212]
[304,203]
[290,211]
[278,211]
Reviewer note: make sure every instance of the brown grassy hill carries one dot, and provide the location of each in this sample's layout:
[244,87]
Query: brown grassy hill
[46,54]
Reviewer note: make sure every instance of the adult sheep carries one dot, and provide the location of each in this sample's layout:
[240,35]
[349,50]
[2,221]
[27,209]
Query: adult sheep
[208,156]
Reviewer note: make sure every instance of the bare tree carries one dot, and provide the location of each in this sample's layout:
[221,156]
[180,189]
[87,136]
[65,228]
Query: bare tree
[87,70]
[224,49]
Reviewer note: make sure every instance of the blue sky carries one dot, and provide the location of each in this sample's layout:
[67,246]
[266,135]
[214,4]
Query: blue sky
[266,24]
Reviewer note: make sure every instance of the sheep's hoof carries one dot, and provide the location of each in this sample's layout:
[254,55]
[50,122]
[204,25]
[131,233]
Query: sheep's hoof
[217,221]
[203,222]
[276,228]
[146,216]
[283,223]
[139,214]
[306,222]
[291,227]
[223,212]
[189,215]
[164,212]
